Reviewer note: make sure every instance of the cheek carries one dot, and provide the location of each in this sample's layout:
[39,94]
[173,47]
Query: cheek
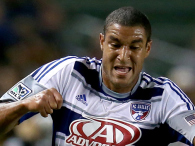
[138,59]
[109,55]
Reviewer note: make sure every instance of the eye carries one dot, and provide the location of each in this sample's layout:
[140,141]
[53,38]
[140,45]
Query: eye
[115,45]
[134,47]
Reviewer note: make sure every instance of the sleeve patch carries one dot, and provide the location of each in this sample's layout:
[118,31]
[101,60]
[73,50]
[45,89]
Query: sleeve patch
[190,119]
[19,91]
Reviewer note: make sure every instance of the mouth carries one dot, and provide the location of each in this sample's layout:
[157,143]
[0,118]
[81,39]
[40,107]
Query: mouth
[122,69]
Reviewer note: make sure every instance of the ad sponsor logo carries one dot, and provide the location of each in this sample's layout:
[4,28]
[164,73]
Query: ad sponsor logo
[102,132]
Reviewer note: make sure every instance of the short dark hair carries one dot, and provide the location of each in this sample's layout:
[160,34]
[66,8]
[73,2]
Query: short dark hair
[128,16]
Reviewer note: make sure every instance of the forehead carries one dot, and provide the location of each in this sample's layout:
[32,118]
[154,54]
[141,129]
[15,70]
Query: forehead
[126,32]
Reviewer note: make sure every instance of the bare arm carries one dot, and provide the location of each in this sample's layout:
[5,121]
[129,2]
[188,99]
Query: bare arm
[43,102]
[10,113]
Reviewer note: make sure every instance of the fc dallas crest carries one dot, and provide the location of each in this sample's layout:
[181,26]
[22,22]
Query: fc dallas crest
[140,110]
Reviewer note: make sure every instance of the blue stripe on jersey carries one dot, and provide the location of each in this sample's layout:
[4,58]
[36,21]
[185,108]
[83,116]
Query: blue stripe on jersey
[172,86]
[174,136]
[147,82]
[62,119]
[153,137]
[146,75]
[178,89]
[27,116]
[44,72]
[147,93]
[93,60]
[91,75]
[54,67]
[45,69]
[36,71]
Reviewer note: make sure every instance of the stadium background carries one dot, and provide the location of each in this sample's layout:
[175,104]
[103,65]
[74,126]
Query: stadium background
[33,32]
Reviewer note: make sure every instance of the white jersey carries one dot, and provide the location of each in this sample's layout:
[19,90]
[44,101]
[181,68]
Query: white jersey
[155,112]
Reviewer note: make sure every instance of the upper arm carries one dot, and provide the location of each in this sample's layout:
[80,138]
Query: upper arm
[23,89]
[55,74]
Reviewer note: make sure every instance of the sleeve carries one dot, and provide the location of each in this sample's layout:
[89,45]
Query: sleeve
[184,123]
[178,112]
[23,89]
[54,74]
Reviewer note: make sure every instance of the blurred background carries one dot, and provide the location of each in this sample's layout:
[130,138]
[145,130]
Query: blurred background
[34,32]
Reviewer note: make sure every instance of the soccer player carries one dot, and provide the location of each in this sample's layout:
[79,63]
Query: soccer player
[105,102]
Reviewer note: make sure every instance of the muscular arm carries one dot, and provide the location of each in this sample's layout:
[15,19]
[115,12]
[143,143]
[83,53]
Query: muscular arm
[43,102]
[10,113]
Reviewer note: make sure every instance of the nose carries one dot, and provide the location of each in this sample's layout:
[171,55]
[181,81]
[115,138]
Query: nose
[124,54]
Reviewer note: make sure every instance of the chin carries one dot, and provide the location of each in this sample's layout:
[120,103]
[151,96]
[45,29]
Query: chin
[121,84]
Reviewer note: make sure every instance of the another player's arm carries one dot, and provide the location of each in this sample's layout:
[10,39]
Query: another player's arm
[43,102]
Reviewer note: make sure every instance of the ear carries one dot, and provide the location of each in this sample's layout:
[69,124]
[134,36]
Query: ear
[101,40]
[148,48]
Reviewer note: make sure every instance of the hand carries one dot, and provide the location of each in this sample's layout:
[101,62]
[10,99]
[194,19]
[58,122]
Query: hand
[44,102]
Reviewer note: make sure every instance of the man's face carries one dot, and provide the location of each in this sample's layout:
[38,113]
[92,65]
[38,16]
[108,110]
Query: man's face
[124,50]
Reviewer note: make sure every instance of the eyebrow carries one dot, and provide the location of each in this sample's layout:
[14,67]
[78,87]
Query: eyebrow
[114,39]
[140,40]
